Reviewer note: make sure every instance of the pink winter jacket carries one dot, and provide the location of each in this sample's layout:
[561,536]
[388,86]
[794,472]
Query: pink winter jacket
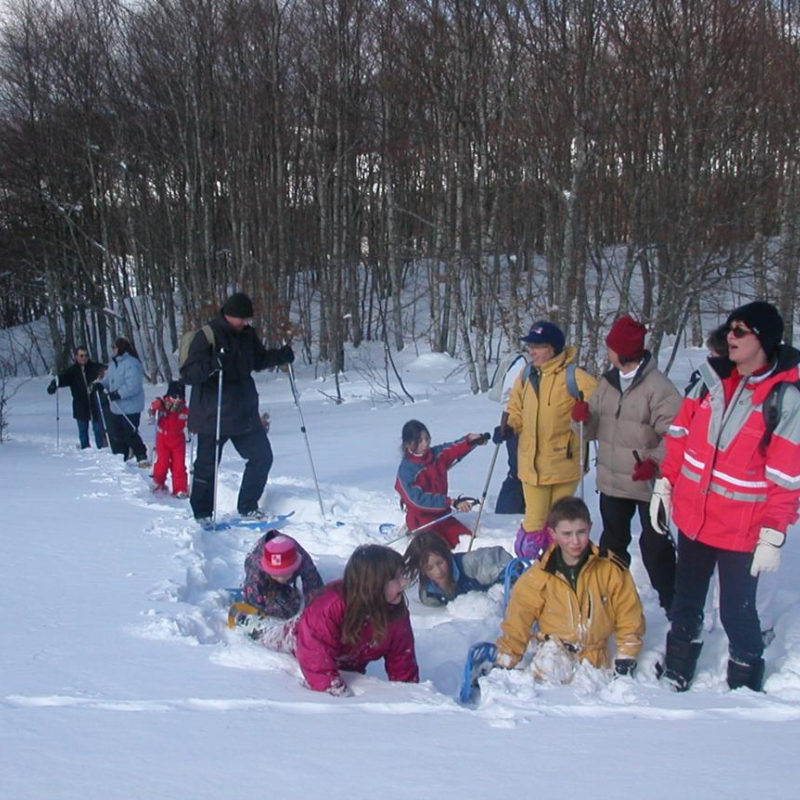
[322,654]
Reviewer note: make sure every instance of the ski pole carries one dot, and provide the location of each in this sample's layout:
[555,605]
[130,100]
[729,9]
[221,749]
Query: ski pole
[58,422]
[102,418]
[423,527]
[483,496]
[217,453]
[305,435]
[582,456]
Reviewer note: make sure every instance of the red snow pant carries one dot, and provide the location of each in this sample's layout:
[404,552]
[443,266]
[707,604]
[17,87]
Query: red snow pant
[171,454]
[449,529]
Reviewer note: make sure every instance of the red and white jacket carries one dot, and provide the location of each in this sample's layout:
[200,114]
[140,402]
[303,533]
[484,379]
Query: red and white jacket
[725,485]
[171,418]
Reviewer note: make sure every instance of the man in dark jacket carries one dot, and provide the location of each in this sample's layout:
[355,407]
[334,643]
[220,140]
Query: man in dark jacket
[79,378]
[237,351]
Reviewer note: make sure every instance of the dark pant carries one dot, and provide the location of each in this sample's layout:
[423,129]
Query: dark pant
[254,447]
[658,551]
[123,430]
[83,432]
[511,500]
[737,597]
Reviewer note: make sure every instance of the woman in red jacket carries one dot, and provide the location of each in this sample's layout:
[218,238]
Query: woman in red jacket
[362,618]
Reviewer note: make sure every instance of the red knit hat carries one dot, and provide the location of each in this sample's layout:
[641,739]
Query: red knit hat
[280,556]
[626,339]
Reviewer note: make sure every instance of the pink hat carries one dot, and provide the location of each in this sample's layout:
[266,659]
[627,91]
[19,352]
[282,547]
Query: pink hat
[280,556]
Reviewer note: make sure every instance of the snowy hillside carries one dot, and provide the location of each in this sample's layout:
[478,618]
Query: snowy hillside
[119,677]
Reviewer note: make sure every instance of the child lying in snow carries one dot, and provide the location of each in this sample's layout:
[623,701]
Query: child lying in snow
[422,480]
[271,571]
[360,619]
[444,575]
[579,596]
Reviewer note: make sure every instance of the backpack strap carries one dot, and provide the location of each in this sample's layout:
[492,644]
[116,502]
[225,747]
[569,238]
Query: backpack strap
[572,383]
[208,331]
[772,409]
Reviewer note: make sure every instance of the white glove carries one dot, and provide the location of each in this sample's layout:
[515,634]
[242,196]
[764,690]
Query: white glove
[661,506]
[767,555]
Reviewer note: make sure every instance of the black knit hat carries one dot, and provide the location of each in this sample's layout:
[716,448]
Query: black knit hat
[238,305]
[764,320]
[176,389]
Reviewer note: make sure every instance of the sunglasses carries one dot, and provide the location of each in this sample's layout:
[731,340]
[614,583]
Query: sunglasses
[740,333]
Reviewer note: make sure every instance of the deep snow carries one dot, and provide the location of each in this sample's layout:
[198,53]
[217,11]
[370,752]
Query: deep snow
[119,678]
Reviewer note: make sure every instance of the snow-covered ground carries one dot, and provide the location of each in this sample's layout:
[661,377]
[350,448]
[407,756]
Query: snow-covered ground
[119,677]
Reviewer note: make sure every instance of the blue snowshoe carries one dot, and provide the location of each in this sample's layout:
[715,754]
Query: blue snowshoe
[513,570]
[480,661]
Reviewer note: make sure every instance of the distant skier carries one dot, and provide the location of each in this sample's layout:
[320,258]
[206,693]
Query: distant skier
[444,575]
[170,414]
[422,480]
[360,619]
[578,596]
[79,377]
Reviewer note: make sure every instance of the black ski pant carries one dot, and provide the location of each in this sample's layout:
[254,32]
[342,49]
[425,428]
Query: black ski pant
[511,499]
[254,447]
[123,430]
[737,597]
[658,551]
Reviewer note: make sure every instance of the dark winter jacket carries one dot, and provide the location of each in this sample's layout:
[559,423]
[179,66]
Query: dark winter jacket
[475,571]
[321,652]
[274,599]
[79,379]
[243,354]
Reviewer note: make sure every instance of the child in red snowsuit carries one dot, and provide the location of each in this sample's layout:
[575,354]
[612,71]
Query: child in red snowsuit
[171,414]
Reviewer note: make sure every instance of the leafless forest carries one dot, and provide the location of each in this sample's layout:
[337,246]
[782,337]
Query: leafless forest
[517,158]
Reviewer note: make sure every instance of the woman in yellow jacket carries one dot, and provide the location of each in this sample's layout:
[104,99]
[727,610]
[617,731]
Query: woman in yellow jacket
[579,596]
[549,463]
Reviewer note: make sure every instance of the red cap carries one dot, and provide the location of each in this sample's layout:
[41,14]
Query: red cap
[626,339]
[280,556]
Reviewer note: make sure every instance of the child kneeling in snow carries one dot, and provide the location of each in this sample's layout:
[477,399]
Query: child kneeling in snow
[360,619]
[422,480]
[271,572]
[170,413]
[579,596]
[444,575]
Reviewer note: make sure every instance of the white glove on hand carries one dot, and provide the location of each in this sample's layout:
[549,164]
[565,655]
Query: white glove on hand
[767,555]
[661,506]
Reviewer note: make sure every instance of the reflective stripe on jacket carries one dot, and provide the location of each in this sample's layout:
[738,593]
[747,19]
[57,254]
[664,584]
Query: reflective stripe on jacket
[605,603]
[547,452]
[726,486]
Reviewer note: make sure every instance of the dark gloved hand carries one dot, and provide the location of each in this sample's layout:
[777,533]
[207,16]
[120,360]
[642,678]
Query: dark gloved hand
[580,412]
[625,666]
[113,395]
[96,387]
[645,470]
[286,354]
[53,385]
[502,433]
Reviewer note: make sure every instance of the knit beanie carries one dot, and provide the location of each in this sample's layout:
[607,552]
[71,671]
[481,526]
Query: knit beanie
[280,556]
[238,305]
[626,339]
[543,332]
[764,320]
[176,389]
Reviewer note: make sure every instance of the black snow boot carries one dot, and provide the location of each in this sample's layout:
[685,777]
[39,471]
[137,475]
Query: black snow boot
[680,662]
[751,676]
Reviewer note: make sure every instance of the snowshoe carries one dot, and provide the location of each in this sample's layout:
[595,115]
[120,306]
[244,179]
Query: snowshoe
[480,662]
[247,618]
[251,523]
[513,571]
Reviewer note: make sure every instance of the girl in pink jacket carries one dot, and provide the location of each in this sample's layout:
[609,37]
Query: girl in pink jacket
[362,618]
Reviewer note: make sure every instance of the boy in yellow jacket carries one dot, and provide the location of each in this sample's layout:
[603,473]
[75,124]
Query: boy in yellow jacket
[579,596]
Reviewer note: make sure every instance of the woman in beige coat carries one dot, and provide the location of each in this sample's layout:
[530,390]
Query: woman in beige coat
[628,415]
